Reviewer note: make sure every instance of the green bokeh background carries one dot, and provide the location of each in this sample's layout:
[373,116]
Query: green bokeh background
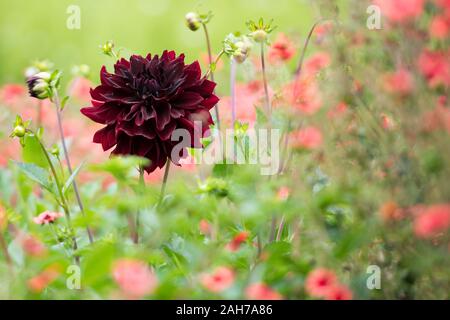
[32,29]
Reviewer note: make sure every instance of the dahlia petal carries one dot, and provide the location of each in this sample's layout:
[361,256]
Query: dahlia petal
[106,136]
[104,114]
[188,100]
[210,102]
[146,130]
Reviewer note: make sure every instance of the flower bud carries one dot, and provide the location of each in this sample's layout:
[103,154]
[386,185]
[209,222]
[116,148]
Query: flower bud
[259,35]
[107,48]
[193,21]
[19,131]
[38,85]
[241,52]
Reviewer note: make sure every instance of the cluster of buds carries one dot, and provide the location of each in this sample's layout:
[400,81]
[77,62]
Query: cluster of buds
[259,31]
[108,49]
[237,46]
[195,20]
[42,85]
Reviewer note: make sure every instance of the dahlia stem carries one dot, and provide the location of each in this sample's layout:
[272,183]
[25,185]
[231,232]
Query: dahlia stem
[164,183]
[211,73]
[266,90]
[63,201]
[69,166]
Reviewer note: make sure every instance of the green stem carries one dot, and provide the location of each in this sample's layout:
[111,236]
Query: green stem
[69,166]
[211,73]
[164,183]
[63,201]
[266,90]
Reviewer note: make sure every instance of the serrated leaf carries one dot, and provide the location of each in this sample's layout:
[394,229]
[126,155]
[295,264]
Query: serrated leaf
[35,173]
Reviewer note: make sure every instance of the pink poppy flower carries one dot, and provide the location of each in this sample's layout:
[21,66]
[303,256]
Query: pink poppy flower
[400,82]
[281,50]
[435,66]
[205,227]
[261,291]
[32,246]
[317,62]
[10,93]
[221,279]
[303,95]
[307,138]
[319,282]
[432,221]
[440,27]
[283,193]
[134,278]
[80,88]
[236,242]
[401,10]
[47,217]
[41,281]
[338,292]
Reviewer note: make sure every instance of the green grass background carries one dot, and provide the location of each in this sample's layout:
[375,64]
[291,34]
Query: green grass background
[32,29]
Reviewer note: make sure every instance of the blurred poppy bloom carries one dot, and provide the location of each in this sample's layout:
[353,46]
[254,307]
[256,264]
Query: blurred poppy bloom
[307,138]
[432,221]
[338,292]
[435,66]
[205,227]
[32,246]
[9,93]
[38,283]
[317,62]
[47,217]
[401,10]
[401,82]
[319,282]
[281,50]
[391,211]
[145,100]
[238,239]
[283,193]
[261,291]
[134,278]
[221,279]
[440,27]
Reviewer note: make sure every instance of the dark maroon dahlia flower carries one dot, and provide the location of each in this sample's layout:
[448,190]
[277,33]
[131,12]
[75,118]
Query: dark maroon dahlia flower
[145,100]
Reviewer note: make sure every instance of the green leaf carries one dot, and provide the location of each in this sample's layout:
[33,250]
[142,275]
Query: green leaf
[71,178]
[35,173]
[64,102]
[33,153]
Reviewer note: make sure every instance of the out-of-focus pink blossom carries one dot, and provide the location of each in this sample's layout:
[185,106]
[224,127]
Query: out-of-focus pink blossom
[400,82]
[338,292]
[221,279]
[281,50]
[387,122]
[32,246]
[205,227]
[303,95]
[400,10]
[261,291]
[134,278]
[79,88]
[10,93]
[47,217]
[339,110]
[432,221]
[307,138]
[435,66]
[283,193]
[440,27]
[236,242]
[41,281]
[319,282]
[317,62]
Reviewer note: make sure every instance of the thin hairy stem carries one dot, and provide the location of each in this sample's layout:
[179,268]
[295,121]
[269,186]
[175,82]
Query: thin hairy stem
[69,166]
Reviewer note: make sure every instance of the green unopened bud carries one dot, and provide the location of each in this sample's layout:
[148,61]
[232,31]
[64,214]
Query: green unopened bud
[259,35]
[19,131]
[193,21]
[107,48]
